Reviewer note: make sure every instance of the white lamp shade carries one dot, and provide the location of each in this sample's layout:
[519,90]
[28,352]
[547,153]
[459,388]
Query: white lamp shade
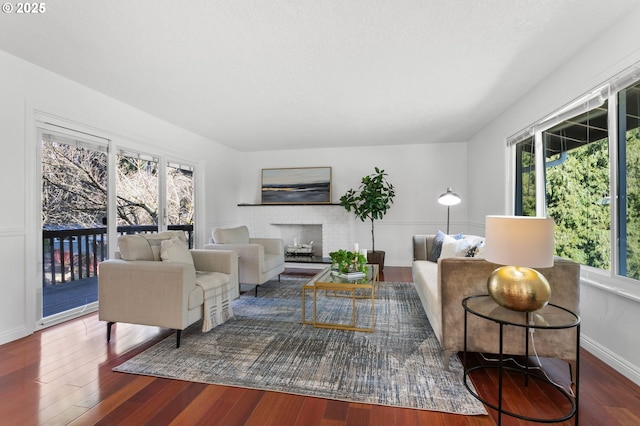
[449,198]
[519,241]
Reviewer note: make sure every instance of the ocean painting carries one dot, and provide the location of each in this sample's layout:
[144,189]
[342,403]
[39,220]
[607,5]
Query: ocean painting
[305,185]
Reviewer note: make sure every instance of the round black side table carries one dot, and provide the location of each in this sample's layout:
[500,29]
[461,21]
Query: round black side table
[549,317]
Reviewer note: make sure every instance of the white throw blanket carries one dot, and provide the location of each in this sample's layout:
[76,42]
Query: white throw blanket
[217,306]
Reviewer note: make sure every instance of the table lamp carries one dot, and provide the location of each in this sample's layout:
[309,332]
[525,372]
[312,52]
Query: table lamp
[521,243]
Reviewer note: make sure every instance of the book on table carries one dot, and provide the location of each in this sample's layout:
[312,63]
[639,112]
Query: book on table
[351,275]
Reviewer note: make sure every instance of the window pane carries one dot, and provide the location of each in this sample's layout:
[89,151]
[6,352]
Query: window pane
[525,178]
[179,195]
[577,187]
[74,186]
[629,182]
[137,191]
[180,199]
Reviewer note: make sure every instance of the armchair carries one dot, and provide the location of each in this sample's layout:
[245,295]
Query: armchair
[155,280]
[260,259]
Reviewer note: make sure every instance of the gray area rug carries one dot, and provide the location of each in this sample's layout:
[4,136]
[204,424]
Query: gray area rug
[266,347]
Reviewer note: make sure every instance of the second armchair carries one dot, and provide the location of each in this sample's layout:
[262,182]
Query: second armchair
[259,259]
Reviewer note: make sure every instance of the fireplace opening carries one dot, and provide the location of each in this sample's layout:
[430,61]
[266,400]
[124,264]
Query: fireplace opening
[302,242]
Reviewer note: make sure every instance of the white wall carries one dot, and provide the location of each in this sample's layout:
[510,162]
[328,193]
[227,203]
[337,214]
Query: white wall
[609,318]
[419,173]
[25,88]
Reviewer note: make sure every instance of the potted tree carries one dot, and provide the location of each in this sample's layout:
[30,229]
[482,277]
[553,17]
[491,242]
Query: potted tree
[371,201]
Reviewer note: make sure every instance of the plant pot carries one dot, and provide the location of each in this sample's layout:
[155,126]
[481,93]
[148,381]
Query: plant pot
[376,257]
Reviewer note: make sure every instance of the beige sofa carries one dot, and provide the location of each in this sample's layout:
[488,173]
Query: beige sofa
[443,284]
[155,280]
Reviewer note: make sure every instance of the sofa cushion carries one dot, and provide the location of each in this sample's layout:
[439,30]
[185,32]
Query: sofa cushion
[425,278]
[134,247]
[174,250]
[239,235]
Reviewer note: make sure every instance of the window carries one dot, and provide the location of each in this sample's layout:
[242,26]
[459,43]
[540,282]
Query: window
[568,165]
[526,178]
[629,182]
[577,187]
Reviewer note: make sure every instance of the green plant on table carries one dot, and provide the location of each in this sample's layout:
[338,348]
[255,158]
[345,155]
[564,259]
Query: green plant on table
[348,261]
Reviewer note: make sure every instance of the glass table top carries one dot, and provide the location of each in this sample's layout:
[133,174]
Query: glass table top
[549,316]
[329,276]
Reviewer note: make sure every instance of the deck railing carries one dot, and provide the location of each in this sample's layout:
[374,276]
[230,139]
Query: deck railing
[74,254]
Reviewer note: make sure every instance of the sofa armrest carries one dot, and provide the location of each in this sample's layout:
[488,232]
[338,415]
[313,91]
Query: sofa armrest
[271,245]
[244,251]
[145,292]
[225,261]
[462,277]
[250,261]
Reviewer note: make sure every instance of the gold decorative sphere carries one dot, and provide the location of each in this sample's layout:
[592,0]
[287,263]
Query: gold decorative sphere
[519,288]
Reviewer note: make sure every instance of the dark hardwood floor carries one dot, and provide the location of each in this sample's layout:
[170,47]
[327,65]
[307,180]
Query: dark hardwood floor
[62,375]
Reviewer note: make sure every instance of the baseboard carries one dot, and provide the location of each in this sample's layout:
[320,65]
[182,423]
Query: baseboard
[15,334]
[621,365]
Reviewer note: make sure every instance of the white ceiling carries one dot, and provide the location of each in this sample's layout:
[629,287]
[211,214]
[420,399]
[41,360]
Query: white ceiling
[280,74]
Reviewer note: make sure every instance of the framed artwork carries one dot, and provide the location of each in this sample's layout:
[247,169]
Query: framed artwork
[304,185]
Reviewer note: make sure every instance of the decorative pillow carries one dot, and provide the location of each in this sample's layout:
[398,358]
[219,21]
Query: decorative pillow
[174,250]
[239,235]
[134,247]
[476,246]
[155,240]
[453,248]
[471,252]
[437,244]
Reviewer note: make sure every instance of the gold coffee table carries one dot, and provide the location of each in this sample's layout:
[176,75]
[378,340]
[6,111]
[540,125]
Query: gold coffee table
[363,289]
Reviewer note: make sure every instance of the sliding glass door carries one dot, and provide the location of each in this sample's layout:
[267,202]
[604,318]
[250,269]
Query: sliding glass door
[151,195]
[74,207]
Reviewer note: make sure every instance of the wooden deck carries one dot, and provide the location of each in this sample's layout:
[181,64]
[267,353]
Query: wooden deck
[62,297]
